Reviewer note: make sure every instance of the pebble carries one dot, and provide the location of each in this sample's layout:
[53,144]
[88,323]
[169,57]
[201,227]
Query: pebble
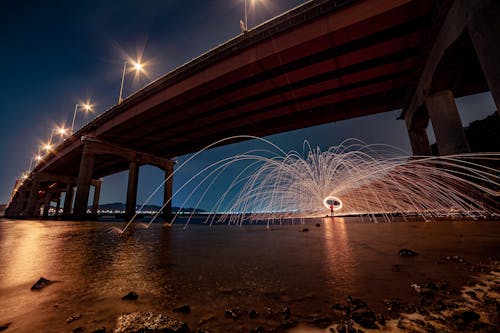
[131,296]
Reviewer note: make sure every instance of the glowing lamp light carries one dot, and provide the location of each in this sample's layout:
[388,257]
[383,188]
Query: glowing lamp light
[38,157]
[332,203]
[138,66]
[47,147]
[87,107]
[62,131]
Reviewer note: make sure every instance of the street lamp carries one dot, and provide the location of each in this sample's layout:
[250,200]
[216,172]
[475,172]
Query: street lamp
[62,131]
[87,107]
[244,24]
[135,65]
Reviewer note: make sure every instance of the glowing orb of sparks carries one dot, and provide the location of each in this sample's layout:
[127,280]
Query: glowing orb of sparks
[332,203]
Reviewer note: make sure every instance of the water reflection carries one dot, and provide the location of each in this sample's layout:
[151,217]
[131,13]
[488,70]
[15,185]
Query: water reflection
[339,257]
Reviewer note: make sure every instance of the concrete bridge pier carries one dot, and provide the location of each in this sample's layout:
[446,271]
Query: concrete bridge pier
[68,200]
[83,182]
[419,141]
[446,123]
[484,30]
[133,180]
[97,194]
[167,191]
[32,199]
[46,206]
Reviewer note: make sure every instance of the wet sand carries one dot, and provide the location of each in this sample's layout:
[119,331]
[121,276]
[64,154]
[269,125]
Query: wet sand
[244,269]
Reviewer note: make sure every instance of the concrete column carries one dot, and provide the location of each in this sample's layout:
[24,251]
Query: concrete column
[484,30]
[83,182]
[443,112]
[68,200]
[46,206]
[97,193]
[419,142]
[58,205]
[133,179]
[32,199]
[167,191]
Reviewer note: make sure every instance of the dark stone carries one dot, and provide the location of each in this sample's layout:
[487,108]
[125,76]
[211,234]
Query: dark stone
[346,328]
[288,324]
[42,282]
[3,327]
[79,329]
[72,318]
[318,225]
[285,311]
[356,304]
[139,322]
[253,314]
[183,309]
[304,229]
[472,295]
[339,307]
[381,319]
[407,253]
[258,329]
[365,318]
[202,330]
[467,316]
[99,330]
[232,313]
[131,296]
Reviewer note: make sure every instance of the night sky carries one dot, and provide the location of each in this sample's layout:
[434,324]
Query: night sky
[55,54]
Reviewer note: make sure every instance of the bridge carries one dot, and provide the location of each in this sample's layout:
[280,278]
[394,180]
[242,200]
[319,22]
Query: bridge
[321,62]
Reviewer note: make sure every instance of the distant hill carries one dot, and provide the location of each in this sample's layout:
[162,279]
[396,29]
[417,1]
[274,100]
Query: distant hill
[120,206]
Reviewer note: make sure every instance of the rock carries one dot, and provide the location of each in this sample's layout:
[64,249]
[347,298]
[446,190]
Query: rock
[381,319]
[322,321]
[356,304]
[421,290]
[99,330]
[318,225]
[407,253]
[253,314]
[339,307]
[79,329]
[232,313]
[345,328]
[467,316]
[285,311]
[72,318]
[365,318]
[131,296]
[202,330]
[288,324]
[258,329]
[183,309]
[304,230]
[42,282]
[3,327]
[138,322]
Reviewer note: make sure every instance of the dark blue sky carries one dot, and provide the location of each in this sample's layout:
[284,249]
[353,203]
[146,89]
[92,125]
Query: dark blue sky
[55,54]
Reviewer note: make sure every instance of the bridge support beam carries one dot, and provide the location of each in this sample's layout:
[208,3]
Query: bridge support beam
[46,206]
[484,31]
[446,123]
[83,183]
[167,191]
[32,199]
[97,193]
[133,180]
[68,200]
[419,141]
[58,206]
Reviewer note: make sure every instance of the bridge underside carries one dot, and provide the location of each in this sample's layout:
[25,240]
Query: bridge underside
[365,66]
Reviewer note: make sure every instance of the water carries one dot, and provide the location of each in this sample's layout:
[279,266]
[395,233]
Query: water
[221,267]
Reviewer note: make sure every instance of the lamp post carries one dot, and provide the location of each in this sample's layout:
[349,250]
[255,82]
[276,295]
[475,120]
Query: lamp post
[137,66]
[59,130]
[244,24]
[87,107]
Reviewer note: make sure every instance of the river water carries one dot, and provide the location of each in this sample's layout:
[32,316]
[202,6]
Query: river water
[221,267]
